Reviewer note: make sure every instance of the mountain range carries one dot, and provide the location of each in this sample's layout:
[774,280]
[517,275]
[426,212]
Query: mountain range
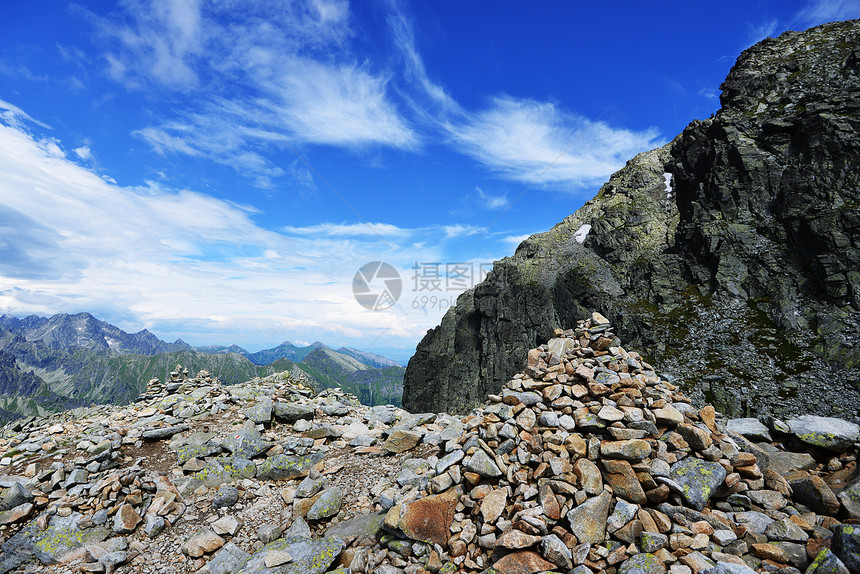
[64,361]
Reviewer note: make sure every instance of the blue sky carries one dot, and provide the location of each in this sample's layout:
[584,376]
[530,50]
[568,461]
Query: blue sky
[219,171]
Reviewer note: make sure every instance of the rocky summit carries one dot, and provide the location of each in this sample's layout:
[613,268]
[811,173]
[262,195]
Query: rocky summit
[586,462]
[730,256]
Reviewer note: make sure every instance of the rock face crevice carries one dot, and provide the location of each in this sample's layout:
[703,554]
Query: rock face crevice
[730,256]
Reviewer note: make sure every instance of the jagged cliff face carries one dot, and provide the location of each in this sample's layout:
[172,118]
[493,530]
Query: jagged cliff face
[730,257]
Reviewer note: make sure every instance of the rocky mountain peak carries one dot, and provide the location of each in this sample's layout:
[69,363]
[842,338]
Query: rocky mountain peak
[729,256]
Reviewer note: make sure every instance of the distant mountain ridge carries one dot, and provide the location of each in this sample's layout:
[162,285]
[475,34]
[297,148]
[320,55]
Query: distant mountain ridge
[295,353]
[84,330]
[64,361]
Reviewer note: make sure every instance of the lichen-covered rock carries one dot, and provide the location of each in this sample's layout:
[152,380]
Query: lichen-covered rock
[227,560]
[61,537]
[286,467]
[261,413]
[588,520]
[696,480]
[846,545]
[308,556]
[826,562]
[223,470]
[246,444]
[825,432]
[751,255]
[642,564]
[326,505]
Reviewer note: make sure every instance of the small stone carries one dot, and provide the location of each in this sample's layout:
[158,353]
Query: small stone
[17,513]
[515,539]
[126,519]
[327,505]
[811,491]
[589,476]
[480,463]
[493,504]
[523,562]
[227,495]
[653,541]
[769,552]
[154,525]
[588,520]
[668,415]
[750,428]
[632,450]
[401,440]
[276,557]
[642,564]
[227,525]
[554,550]
[268,532]
[696,480]
[201,542]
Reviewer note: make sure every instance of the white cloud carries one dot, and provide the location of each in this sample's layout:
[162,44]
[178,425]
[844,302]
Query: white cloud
[83,152]
[403,34]
[256,75]
[156,43]
[14,116]
[515,240]
[758,32]
[185,264]
[452,231]
[335,105]
[349,230]
[822,11]
[536,142]
[492,202]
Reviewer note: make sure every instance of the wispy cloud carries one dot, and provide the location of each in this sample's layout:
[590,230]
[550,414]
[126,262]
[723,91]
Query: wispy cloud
[525,140]
[156,43]
[133,255]
[492,202]
[452,231]
[254,75]
[349,230]
[435,97]
[822,11]
[537,142]
[515,240]
[14,116]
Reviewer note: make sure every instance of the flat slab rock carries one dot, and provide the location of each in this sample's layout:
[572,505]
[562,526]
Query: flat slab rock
[825,432]
[750,428]
[308,556]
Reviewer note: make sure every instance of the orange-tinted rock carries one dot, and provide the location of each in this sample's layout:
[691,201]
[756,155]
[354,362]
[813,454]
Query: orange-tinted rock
[622,479]
[526,562]
[428,519]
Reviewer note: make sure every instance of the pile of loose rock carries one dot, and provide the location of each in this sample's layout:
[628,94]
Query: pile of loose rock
[586,462]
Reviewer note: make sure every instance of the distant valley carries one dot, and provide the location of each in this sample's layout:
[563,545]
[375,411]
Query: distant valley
[64,361]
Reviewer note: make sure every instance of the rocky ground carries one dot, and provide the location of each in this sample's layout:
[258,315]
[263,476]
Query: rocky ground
[585,462]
